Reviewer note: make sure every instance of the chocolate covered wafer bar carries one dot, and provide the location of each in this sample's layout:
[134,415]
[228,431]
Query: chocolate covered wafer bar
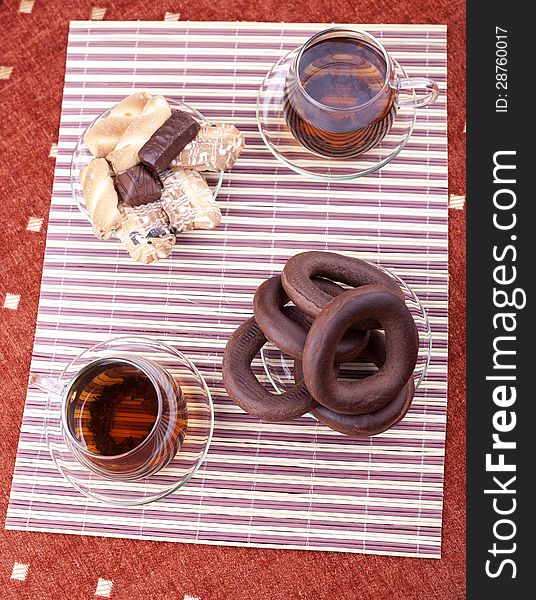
[137,186]
[215,148]
[168,140]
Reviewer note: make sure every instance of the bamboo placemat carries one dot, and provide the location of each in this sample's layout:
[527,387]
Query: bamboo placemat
[295,485]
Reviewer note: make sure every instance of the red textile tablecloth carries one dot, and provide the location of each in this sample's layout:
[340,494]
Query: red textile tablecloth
[34,565]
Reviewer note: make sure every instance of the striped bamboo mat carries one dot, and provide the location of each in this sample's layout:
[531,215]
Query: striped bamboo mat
[299,484]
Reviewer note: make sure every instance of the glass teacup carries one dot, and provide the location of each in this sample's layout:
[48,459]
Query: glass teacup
[122,417]
[342,93]
[129,409]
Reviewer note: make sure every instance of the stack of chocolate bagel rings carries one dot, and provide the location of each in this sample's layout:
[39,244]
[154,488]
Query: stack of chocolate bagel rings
[327,326]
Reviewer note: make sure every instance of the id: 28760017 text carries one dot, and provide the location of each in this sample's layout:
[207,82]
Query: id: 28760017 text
[501,70]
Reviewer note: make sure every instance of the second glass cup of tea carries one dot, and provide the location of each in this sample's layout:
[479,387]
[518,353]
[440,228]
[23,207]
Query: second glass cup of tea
[129,409]
[338,96]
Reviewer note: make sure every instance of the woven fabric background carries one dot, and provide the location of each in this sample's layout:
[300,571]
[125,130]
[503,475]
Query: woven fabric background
[32,57]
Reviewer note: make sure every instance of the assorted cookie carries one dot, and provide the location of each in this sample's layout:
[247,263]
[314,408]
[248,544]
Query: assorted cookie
[144,184]
[168,140]
[214,148]
[101,198]
[327,326]
[102,137]
[138,186]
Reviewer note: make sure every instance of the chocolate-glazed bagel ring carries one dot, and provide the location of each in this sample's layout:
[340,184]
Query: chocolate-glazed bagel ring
[401,348]
[245,389]
[286,330]
[374,422]
[298,274]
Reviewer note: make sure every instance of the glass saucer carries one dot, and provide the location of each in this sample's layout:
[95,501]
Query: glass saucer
[191,453]
[82,156]
[279,367]
[283,145]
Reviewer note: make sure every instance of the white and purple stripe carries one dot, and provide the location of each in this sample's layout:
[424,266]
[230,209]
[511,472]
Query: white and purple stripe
[293,485]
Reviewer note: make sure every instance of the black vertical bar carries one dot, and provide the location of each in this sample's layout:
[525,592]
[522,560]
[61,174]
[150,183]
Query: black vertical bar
[501,40]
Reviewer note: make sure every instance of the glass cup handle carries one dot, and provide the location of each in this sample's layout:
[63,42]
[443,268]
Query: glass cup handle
[47,384]
[418,83]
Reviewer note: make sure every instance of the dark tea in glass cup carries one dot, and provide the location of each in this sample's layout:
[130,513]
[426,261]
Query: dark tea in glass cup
[124,417]
[342,93]
[128,420]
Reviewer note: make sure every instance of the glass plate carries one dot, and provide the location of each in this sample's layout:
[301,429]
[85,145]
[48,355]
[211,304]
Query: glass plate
[82,156]
[279,367]
[280,141]
[187,460]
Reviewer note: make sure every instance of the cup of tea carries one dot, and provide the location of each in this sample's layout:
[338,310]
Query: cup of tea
[342,93]
[123,415]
